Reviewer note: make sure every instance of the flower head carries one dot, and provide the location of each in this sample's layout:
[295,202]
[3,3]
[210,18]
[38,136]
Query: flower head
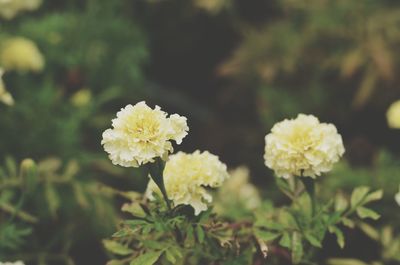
[5,96]
[186,177]
[302,147]
[141,134]
[22,55]
[10,8]
[393,115]
[237,190]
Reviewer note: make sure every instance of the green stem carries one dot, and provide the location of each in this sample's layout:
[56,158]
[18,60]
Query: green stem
[156,170]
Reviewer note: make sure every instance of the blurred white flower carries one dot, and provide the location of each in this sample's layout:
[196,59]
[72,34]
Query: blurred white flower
[238,189]
[5,96]
[10,8]
[302,147]
[141,134]
[397,197]
[393,115]
[12,263]
[186,177]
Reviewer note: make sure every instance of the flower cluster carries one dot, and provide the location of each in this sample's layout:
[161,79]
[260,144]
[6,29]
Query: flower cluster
[5,96]
[393,115]
[141,134]
[302,147]
[187,175]
[22,55]
[10,8]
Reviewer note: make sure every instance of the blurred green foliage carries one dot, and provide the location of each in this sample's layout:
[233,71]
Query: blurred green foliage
[335,58]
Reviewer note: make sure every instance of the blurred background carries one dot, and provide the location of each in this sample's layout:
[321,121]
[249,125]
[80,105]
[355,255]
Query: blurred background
[232,67]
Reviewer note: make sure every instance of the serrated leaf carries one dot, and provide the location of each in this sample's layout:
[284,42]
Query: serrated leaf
[374,196]
[313,240]
[297,248]
[265,235]
[347,222]
[358,196]
[285,240]
[339,235]
[116,247]
[367,213]
[200,233]
[148,258]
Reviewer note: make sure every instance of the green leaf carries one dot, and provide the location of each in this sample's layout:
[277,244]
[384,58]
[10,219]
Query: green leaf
[347,222]
[52,198]
[313,240]
[358,196]
[11,166]
[269,224]
[170,257]
[116,247]
[339,235]
[346,262]
[367,213]
[297,248]
[148,258]
[374,196]
[369,231]
[341,203]
[200,233]
[265,235]
[285,241]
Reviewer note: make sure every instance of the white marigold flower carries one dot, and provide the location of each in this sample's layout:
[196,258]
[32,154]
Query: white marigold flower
[12,263]
[5,96]
[21,54]
[397,197]
[393,115]
[238,190]
[302,147]
[10,8]
[186,177]
[141,134]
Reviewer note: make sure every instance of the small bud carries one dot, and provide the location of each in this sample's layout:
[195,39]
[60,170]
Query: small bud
[28,173]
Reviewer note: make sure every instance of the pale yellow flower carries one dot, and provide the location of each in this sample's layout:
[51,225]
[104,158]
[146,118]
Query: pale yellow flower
[5,96]
[393,115]
[302,147]
[238,189]
[141,134]
[10,8]
[397,197]
[21,54]
[186,177]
